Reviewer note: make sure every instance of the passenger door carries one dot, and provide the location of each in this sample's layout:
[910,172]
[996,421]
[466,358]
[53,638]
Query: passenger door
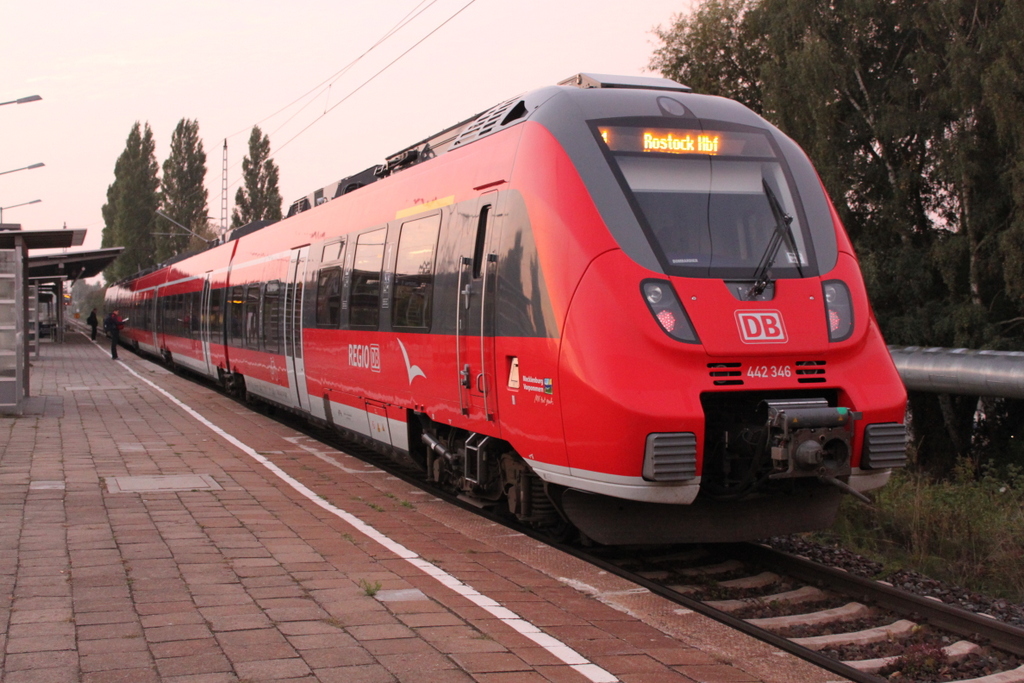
[294,292]
[475,315]
[204,326]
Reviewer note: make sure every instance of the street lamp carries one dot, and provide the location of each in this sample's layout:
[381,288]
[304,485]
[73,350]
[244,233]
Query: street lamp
[23,100]
[34,201]
[23,168]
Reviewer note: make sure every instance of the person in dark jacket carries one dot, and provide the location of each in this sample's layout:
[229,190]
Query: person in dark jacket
[93,322]
[112,325]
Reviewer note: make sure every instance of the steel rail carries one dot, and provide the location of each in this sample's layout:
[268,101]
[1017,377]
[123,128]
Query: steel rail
[960,621]
[812,656]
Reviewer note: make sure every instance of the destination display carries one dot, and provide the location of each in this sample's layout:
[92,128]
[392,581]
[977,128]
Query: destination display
[684,141]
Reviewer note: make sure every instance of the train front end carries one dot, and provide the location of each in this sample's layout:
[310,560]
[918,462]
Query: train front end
[721,374]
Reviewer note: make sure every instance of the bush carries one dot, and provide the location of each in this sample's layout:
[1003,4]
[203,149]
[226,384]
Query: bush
[968,530]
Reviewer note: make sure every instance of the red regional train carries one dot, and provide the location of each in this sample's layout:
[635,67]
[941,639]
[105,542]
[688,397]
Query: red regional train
[611,305]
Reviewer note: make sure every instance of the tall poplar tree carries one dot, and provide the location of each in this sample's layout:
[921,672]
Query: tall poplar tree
[184,196]
[132,199]
[259,199]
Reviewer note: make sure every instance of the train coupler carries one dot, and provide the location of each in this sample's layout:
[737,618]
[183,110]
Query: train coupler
[809,438]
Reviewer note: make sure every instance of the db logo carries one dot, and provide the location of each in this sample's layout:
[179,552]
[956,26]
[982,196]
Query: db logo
[761,327]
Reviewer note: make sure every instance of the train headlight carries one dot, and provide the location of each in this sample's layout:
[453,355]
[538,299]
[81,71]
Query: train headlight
[838,309]
[654,293]
[664,305]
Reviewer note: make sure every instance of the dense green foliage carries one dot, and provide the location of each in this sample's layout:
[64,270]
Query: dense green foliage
[184,196]
[132,200]
[259,198]
[968,530]
[913,113]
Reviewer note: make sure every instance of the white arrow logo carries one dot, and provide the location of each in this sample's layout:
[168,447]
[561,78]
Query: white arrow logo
[413,370]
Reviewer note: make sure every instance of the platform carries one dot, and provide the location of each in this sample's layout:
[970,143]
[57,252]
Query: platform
[154,530]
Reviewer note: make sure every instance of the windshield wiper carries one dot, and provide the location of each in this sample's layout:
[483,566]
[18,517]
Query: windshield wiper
[783,232]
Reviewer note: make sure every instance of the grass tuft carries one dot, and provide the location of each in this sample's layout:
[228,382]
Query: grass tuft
[968,530]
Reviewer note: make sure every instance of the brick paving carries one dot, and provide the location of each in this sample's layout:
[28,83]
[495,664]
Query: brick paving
[255,582]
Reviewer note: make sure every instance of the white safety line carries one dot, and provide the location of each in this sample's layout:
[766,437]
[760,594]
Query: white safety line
[551,644]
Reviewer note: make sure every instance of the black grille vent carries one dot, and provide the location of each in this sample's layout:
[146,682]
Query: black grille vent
[725,374]
[885,445]
[810,371]
[670,457]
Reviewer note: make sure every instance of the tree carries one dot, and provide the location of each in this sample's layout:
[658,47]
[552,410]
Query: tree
[184,196]
[132,199]
[259,199]
[713,51]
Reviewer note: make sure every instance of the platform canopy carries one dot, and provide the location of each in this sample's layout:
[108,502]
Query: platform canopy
[11,233]
[73,265]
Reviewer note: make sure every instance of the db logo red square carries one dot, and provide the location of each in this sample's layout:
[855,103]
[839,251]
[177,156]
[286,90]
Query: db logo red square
[761,327]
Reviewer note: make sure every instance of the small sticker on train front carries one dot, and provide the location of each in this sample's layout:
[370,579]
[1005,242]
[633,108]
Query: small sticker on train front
[761,327]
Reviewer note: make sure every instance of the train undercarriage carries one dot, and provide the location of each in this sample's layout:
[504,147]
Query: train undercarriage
[774,465]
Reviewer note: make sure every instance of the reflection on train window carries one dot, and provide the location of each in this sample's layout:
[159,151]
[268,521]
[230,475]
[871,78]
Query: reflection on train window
[328,298]
[272,317]
[252,317]
[235,301]
[711,214]
[332,252]
[364,300]
[414,273]
[217,315]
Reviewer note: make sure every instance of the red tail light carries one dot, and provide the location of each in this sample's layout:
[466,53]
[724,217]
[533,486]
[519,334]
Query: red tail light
[839,309]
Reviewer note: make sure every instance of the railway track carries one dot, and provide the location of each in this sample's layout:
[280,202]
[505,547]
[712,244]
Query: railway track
[861,629]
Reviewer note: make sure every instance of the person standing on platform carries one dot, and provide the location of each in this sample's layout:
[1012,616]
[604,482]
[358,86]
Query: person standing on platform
[93,322]
[112,324]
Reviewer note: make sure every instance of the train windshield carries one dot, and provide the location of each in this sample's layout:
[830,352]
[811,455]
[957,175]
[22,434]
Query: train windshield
[712,200]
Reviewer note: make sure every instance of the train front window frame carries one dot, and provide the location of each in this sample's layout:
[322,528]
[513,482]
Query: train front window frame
[700,190]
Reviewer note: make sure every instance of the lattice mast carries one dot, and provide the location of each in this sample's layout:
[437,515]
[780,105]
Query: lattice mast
[224,191]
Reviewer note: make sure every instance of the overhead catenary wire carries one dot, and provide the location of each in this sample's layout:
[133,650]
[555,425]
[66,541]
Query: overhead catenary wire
[338,74]
[374,76]
[411,16]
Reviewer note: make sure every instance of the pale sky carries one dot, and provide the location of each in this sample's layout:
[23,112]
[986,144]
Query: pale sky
[101,66]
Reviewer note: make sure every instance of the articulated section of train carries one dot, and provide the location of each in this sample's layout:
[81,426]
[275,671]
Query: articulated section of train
[611,306]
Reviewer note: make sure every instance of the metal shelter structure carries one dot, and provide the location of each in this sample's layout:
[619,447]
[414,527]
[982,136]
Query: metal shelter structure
[24,281]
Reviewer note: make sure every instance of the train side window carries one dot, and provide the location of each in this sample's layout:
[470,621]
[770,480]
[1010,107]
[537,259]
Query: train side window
[195,306]
[332,252]
[328,298]
[481,241]
[364,299]
[217,315]
[252,317]
[414,273]
[235,320]
[272,317]
[179,313]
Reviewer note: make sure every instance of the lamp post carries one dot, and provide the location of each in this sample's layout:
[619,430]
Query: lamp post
[23,100]
[34,201]
[23,168]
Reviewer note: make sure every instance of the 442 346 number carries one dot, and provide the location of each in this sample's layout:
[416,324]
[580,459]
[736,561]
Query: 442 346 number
[769,371]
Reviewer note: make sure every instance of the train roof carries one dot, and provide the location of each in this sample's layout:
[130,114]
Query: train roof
[481,125]
[487,122]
